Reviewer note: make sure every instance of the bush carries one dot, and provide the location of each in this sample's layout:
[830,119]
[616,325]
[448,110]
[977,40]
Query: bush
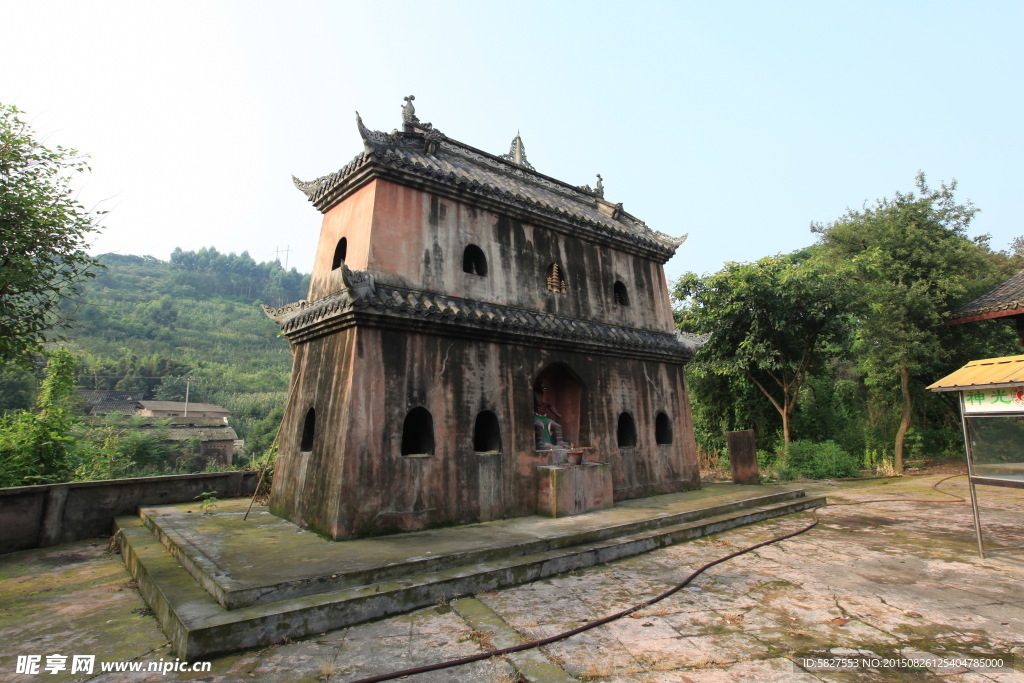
[766,459]
[824,460]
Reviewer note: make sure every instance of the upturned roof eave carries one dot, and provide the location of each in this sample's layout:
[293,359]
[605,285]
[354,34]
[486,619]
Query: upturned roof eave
[417,145]
[659,248]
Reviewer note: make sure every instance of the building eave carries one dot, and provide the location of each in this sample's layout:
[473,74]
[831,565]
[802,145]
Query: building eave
[417,159]
[408,310]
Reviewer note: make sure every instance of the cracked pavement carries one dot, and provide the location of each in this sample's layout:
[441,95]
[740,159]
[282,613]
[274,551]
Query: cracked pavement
[886,580]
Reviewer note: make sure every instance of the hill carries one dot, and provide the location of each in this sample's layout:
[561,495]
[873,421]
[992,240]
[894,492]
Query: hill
[191,323]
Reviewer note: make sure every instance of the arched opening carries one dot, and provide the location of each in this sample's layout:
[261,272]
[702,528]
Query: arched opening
[626,434]
[339,253]
[486,433]
[662,429]
[473,261]
[418,432]
[308,430]
[621,296]
[555,278]
[558,395]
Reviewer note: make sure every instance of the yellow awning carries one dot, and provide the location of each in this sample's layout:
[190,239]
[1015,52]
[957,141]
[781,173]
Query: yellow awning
[991,372]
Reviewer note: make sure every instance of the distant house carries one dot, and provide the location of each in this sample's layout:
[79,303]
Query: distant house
[216,439]
[104,401]
[181,409]
[204,422]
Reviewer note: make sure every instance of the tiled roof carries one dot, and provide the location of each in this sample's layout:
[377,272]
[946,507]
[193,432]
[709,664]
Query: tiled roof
[180,405]
[988,372]
[1006,299]
[111,401]
[308,320]
[126,407]
[430,156]
[204,434]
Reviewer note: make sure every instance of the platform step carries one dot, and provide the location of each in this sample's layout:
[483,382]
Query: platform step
[186,539]
[199,627]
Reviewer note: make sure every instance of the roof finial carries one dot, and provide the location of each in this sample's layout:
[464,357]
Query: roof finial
[410,122]
[599,190]
[517,153]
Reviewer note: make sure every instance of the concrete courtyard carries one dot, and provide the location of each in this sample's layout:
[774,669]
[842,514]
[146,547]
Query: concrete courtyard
[885,581]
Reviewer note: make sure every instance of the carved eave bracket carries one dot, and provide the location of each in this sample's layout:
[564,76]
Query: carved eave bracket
[423,138]
[613,211]
[669,241]
[282,314]
[360,283]
[693,342]
[308,188]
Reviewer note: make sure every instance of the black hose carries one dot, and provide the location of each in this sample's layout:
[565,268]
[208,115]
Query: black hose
[647,603]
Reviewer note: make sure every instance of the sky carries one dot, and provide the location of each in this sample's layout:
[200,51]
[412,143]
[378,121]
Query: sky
[737,123]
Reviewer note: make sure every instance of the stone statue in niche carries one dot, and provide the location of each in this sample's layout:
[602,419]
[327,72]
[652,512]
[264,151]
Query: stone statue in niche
[547,432]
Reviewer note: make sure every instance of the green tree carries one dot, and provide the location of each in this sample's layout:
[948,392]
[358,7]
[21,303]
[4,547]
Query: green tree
[771,322]
[913,264]
[43,236]
[36,447]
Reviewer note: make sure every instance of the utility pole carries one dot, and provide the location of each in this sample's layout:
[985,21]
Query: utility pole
[286,251]
[188,382]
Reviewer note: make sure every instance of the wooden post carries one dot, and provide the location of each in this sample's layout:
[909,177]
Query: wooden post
[743,457]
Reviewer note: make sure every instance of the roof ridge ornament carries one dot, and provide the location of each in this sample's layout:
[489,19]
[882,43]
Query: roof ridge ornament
[410,122]
[517,153]
[594,191]
[359,283]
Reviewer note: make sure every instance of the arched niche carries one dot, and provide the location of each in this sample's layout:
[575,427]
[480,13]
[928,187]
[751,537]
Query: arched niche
[308,431]
[418,432]
[473,261]
[340,252]
[619,293]
[565,391]
[662,429]
[626,432]
[486,433]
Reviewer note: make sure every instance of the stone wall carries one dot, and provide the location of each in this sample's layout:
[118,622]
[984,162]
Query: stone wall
[39,516]
[362,384]
[412,238]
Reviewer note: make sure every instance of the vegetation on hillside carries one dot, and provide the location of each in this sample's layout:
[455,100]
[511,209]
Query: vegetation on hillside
[193,323]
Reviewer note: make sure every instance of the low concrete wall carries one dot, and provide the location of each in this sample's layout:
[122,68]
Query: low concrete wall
[38,516]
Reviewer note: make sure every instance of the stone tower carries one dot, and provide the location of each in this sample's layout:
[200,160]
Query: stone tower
[453,292]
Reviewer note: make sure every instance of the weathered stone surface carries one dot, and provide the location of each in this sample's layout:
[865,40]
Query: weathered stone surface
[573,490]
[448,286]
[743,457]
[905,575]
[363,381]
[33,516]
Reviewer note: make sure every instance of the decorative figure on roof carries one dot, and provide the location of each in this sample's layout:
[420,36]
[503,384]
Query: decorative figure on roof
[517,153]
[410,122]
[280,315]
[617,212]
[359,282]
[599,190]
[432,141]
[547,432]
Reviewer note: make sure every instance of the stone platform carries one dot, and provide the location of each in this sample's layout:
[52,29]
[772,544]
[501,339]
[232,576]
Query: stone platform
[220,584]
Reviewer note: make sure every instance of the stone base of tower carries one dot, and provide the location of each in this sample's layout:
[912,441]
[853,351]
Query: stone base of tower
[388,432]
